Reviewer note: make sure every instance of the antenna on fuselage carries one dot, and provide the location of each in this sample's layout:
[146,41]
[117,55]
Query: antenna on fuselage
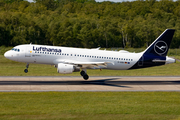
[30,43]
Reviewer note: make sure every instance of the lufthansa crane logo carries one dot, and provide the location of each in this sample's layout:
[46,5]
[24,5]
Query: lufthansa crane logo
[160,47]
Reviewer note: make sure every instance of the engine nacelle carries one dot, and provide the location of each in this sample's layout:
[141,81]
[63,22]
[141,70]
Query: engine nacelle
[66,68]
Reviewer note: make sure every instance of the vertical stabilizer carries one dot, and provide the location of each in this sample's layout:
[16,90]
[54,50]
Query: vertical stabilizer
[155,54]
[161,45]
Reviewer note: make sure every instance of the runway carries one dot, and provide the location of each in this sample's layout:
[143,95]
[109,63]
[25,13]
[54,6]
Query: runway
[108,83]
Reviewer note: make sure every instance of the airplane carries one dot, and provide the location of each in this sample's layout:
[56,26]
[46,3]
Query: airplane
[68,59]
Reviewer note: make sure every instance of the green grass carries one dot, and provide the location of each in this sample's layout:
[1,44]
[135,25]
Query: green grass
[11,68]
[90,105]
[3,49]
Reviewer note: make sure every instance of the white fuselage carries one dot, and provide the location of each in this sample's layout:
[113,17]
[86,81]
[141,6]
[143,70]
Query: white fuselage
[42,54]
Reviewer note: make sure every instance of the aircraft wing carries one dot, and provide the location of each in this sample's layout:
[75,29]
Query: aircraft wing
[90,65]
[94,65]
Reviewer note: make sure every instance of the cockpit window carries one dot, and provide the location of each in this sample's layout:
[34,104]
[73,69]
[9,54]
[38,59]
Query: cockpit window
[15,49]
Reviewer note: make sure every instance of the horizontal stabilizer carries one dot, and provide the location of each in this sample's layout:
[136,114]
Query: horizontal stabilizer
[159,60]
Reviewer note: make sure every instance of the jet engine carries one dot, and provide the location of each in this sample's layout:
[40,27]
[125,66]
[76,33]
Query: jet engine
[67,68]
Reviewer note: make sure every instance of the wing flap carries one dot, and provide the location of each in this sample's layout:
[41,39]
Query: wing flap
[91,65]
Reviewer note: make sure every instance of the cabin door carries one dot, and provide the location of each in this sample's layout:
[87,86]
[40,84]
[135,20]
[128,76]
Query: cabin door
[28,51]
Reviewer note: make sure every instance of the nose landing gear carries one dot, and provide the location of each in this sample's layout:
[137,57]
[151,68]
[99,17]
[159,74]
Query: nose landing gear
[27,66]
[84,74]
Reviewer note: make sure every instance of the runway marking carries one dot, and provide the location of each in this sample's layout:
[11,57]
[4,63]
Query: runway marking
[114,83]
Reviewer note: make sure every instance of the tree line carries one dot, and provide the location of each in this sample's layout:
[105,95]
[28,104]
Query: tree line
[87,23]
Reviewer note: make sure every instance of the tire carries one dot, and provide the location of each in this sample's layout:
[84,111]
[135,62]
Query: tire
[82,73]
[26,70]
[86,77]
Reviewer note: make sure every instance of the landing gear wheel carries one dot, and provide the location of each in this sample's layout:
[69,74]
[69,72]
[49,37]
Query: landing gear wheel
[26,70]
[27,66]
[86,77]
[82,73]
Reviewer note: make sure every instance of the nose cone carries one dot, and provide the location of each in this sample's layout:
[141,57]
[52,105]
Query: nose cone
[10,55]
[7,54]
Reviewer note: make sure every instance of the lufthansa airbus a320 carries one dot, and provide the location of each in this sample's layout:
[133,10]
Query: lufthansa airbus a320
[68,60]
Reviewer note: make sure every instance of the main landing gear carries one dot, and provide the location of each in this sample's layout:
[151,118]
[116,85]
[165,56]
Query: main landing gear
[84,74]
[27,66]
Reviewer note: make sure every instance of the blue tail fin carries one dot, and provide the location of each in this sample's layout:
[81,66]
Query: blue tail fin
[155,54]
[161,45]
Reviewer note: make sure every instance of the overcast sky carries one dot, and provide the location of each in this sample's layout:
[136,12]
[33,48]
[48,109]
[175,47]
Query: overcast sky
[101,0]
